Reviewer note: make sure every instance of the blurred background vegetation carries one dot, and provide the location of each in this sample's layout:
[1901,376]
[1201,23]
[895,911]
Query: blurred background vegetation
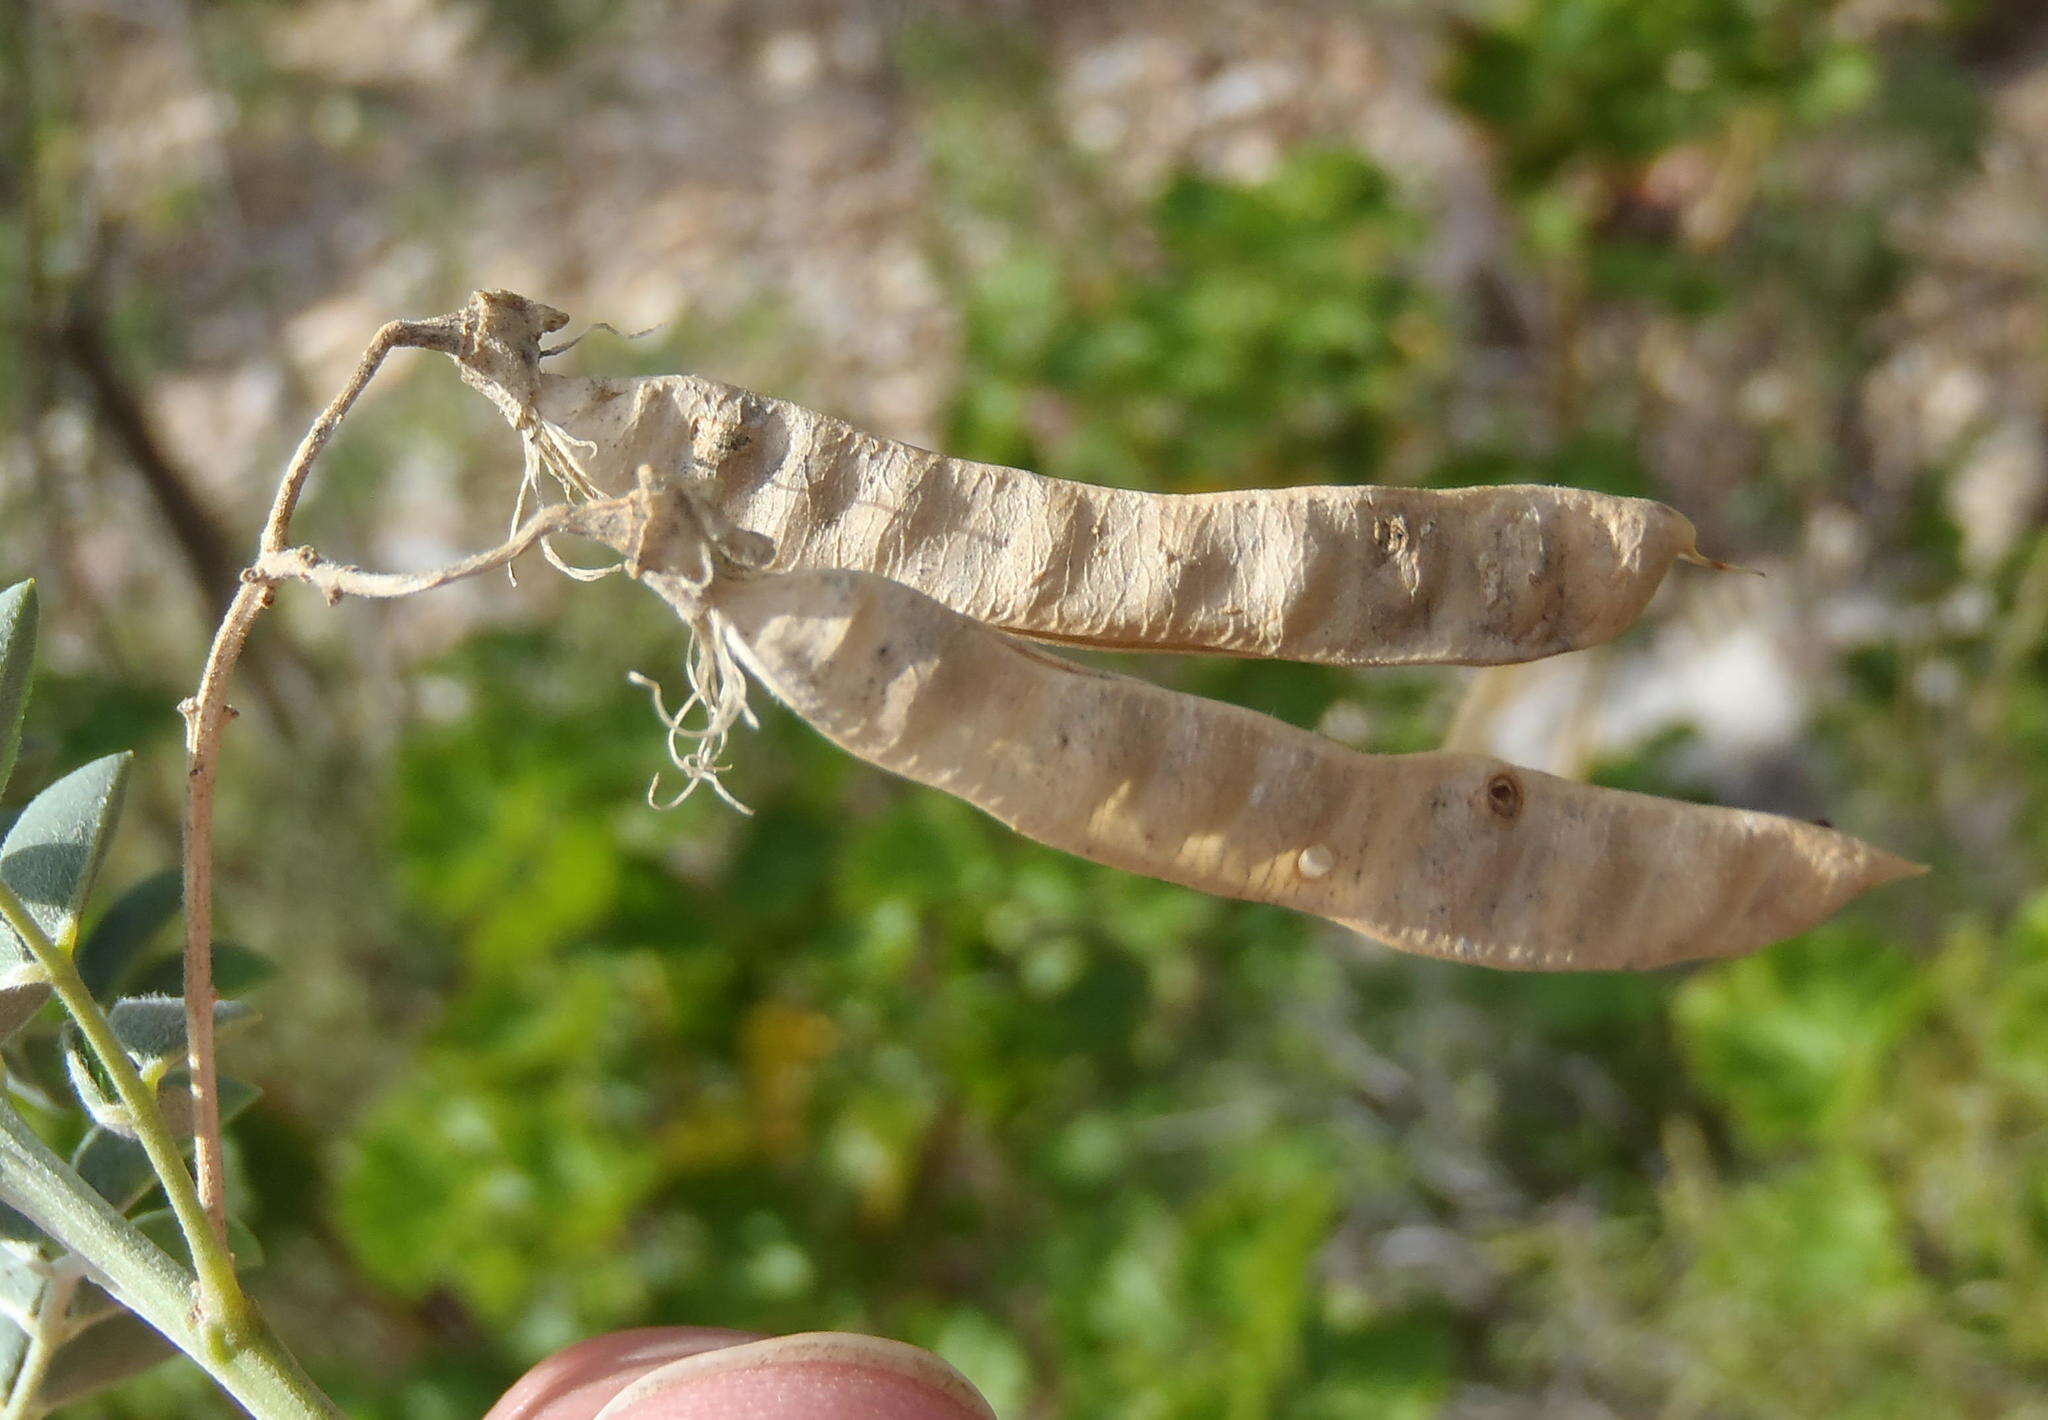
[540,1062]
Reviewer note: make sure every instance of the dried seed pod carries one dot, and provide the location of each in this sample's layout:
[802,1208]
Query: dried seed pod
[1450,855]
[1344,575]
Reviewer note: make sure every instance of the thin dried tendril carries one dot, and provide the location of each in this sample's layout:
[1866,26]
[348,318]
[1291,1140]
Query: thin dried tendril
[608,328]
[550,449]
[718,689]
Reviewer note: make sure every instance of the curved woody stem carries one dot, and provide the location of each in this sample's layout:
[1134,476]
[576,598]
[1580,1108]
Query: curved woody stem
[207,714]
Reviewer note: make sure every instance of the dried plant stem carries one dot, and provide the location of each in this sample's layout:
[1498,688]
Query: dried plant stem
[206,716]
[335,580]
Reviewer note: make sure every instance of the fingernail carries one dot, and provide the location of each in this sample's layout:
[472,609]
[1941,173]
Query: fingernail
[820,1375]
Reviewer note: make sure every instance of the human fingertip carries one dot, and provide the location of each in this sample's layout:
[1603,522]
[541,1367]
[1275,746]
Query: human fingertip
[811,1376]
[575,1382]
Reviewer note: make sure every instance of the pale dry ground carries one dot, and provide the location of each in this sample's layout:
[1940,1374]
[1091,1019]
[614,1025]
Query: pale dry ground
[704,163]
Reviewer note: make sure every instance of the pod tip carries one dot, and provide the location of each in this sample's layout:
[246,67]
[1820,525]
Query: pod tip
[1700,559]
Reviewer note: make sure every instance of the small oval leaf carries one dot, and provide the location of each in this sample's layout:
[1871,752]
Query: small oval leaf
[152,1028]
[237,970]
[174,1098]
[18,1004]
[119,1170]
[16,1228]
[92,1303]
[104,1354]
[21,1288]
[51,854]
[92,1093]
[160,1226]
[21,1292]
[48,860]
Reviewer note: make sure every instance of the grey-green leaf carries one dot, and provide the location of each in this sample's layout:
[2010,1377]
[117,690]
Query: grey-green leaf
[16,1228]
[92,1303]
[18,1004]
[160,1226]
[51,854]
[152,1028]
[21,1292]
[17,660]
[96,1099]
[48,860]
[174,1098]
[119,1170]
[237,970]
[110,949]
[104,1354]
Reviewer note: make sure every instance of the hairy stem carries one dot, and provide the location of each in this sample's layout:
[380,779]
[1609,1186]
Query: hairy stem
[259,1373]
[220,1290]
[334,580]
[205,715]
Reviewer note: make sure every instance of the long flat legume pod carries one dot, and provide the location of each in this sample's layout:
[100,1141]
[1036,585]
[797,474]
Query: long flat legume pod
[1450,855]
[1344,575]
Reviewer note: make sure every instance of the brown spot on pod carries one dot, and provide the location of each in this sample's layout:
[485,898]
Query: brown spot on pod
[1504,796]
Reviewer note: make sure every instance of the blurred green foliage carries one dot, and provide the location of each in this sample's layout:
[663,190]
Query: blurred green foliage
[866,1060]
[1565,82]
[1272,336]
